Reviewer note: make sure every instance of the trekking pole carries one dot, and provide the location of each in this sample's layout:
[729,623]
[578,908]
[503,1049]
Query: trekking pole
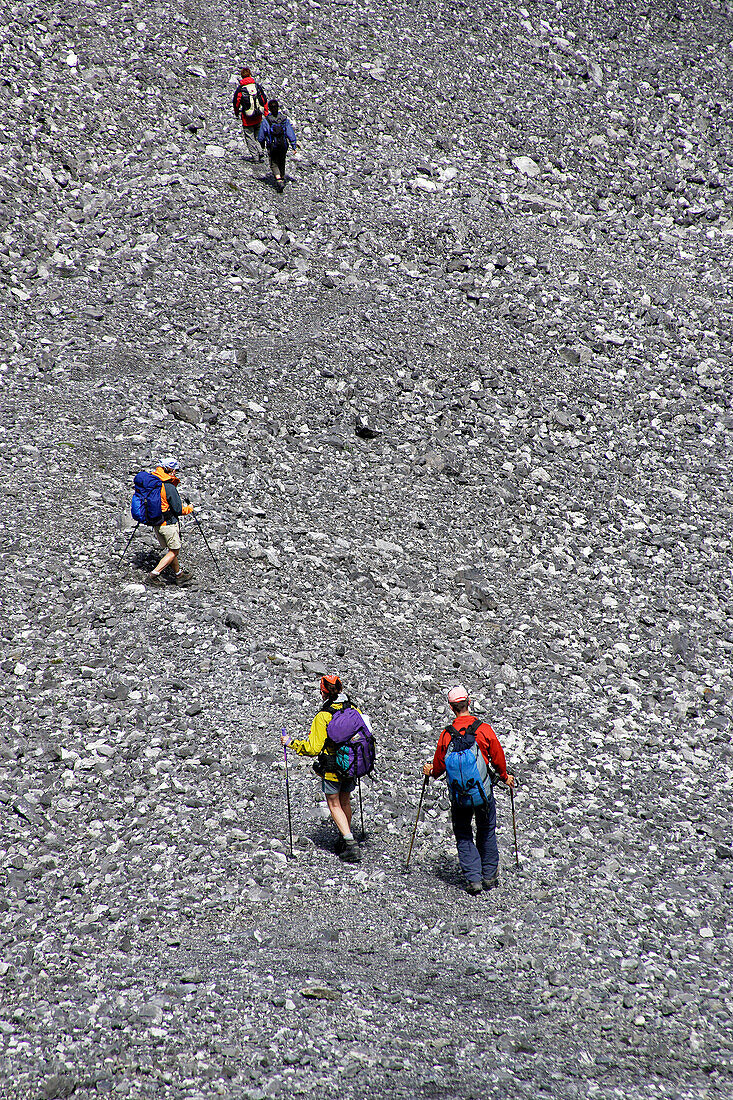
[198,524]
[514,823]
[419,807]
[361,810]
[129,544]
[287,795]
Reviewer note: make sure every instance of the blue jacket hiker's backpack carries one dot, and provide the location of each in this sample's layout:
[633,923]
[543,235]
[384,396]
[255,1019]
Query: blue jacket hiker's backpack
[466,770]
[277,139]
[353,742]
[146,506]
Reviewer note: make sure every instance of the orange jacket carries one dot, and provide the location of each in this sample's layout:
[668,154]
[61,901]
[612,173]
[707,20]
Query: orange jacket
[170,501]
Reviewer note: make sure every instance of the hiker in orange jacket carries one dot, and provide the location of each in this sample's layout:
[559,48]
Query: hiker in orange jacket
[168,532]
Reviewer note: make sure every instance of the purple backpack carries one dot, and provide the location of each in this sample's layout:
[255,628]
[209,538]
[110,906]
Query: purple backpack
[354,743]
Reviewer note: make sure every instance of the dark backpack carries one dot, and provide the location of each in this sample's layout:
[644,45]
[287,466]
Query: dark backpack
[466,770]
[277,139]
[353,743]
[146,506]
[248,100]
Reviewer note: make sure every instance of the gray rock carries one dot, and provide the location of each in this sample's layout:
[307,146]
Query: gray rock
[59,1086]
[320,993]
[234,619]
[182,410]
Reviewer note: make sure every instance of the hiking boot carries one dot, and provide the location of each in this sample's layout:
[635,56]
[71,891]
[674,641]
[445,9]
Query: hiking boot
[490,883]
[184,577]
[339,845]
[473,888]
[351,852]
[155,580]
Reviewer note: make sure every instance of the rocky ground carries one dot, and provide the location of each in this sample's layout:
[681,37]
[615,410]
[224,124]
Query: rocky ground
[455,406]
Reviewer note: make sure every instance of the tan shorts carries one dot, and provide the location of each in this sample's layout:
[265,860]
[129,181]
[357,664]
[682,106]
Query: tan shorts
[169,536]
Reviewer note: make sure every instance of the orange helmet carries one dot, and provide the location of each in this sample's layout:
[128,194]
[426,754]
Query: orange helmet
[331,685]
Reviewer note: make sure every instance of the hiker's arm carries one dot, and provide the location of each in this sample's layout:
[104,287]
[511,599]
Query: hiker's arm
[174,499]
[488,741]
[263,131]
[290,132]
[438,765]
[313,744]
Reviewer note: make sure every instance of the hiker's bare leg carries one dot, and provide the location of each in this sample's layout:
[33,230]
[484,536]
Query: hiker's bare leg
[340,820]
[345,800]
[171,558]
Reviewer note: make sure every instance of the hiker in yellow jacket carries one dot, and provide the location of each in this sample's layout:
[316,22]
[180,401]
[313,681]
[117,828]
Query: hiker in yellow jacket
[337,791]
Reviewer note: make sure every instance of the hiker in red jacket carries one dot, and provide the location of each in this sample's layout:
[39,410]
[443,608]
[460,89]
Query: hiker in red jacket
[250,103]
[479,858]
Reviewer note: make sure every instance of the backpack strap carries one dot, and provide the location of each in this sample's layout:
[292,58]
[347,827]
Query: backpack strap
[494,776]
[469,730]
[330,708]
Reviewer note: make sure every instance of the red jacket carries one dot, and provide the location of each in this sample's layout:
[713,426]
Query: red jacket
[486,740]
[257,91]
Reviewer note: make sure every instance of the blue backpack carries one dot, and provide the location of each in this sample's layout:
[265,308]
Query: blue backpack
[277,139]
[466,770]
[354,744]
[146,506]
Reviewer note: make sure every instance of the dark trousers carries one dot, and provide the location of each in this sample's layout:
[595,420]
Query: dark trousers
[479,858]
[277,162]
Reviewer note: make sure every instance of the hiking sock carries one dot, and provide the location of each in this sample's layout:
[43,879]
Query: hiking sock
[348,836]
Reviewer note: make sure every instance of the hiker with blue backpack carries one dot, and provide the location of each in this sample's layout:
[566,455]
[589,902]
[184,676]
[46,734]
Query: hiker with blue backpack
[277,133]
[342,740]
[157,503]
[470,755]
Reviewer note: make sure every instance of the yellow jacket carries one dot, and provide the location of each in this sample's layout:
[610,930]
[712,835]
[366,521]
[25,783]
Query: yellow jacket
[315,743]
